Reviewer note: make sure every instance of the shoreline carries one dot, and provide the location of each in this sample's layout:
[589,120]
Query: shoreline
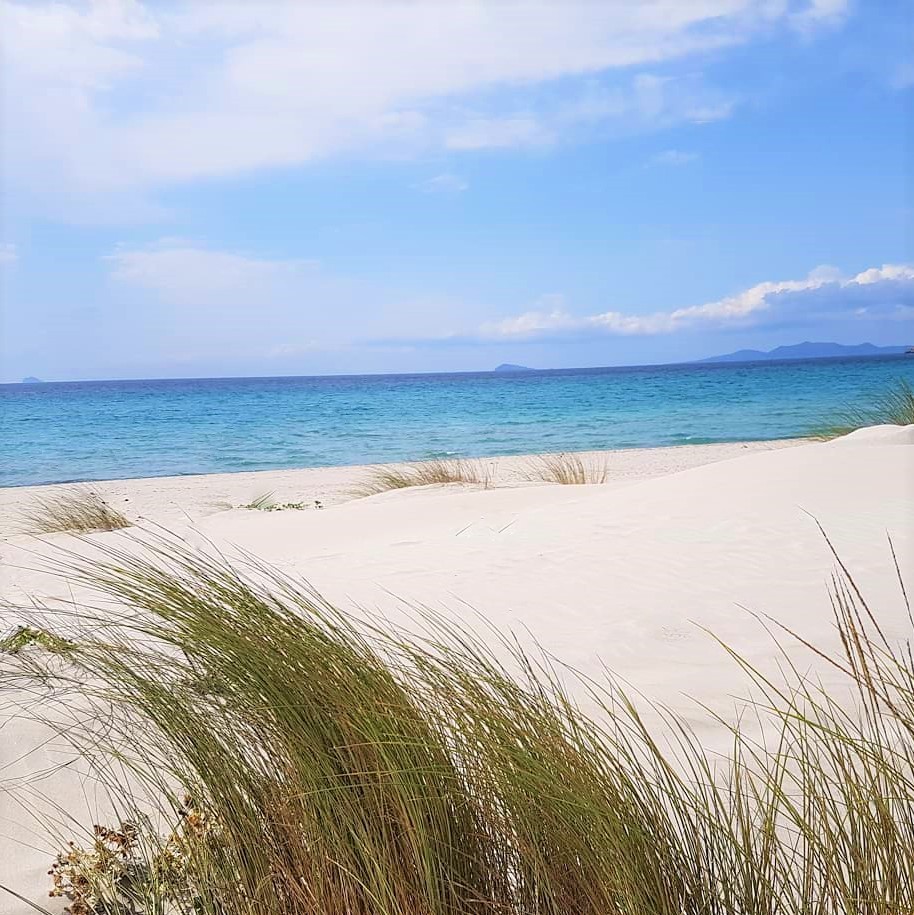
[81,481]
[248,425]
[177,499]
[86,481]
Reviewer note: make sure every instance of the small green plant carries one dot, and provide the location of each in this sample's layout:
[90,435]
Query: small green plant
[894,407]
[426,473]
[130,870]
[261,502]
[73,509]
[265,503]
[566,469]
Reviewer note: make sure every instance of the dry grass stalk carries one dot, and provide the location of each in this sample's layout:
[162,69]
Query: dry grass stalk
[79,509]
[426,473]
[567,469]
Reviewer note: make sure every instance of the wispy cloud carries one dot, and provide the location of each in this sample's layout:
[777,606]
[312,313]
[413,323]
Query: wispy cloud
[673,157]
[277,305]
[498,132]
[8,254]
[185,272]
[819,13]
[443,184]
[902,76]
[645,102]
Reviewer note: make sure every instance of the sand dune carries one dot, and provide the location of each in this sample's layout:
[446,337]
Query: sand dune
[623,575]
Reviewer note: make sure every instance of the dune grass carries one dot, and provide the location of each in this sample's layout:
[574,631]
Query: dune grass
[425,473]
[314,767]
[894,406]
[80,509]
[567,469]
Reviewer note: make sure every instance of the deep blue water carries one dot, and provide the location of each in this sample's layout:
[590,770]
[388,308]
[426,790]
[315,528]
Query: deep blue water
[113,429]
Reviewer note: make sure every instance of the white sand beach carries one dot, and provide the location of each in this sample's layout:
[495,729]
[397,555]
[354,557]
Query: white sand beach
[624,576]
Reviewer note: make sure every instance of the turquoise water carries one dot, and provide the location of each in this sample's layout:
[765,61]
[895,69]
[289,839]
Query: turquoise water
[115,429]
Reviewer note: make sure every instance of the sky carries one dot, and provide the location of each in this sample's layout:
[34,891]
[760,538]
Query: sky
[292,188]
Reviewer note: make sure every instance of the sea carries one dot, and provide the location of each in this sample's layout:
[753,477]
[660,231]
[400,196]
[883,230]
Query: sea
[95,430]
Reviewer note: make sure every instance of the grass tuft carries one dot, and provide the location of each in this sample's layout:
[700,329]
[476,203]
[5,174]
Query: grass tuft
[894,407]
[567,469]
[425,473]
[72,509]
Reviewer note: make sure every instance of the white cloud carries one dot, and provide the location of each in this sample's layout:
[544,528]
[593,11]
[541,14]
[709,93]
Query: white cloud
[243,302]
[118,97]
[443,184]
[818,13]
[888,272]
[646,102]
[902,76]
[183,272]
[826,273]
[277,294]
[889,288]
[495,133]
[550,317]
[8,254]
[674,157]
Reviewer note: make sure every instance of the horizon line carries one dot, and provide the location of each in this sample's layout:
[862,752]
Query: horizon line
[706,361]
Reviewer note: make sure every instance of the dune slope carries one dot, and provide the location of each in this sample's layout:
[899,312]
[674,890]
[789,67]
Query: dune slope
[623,577]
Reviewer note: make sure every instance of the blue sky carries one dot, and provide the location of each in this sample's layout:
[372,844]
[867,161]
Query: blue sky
[208,188]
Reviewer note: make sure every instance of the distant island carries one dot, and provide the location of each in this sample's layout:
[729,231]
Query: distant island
[31,379]
[511,367]
[807,351]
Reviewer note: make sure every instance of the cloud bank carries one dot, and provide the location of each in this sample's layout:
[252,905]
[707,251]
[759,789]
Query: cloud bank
[271,295]
[119,97]
[886,291]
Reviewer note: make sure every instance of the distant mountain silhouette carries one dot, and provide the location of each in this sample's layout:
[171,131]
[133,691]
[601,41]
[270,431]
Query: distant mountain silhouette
[31,379]
[807,351]
[511,367]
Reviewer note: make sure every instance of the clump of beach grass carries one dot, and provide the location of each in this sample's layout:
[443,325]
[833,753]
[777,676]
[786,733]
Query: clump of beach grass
[425,473]
[78,509]
[348,771]
[894,406]
[567,469]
